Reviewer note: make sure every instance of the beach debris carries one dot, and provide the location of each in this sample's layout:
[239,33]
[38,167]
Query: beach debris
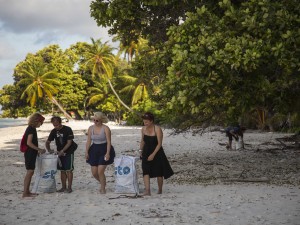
[18,163]
[127,196]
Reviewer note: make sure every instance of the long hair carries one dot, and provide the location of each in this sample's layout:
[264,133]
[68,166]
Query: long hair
[35,118]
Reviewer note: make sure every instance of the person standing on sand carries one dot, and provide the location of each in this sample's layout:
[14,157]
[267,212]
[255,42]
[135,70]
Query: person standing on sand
[34,121]
[99,151]
[63,136]
[154,160]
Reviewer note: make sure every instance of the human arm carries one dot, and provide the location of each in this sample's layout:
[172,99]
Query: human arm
[234,134]
[88,144]
[142,143]
[33,146]
[159,135]
[108,140]
[50,138]
[48,146]
[65,148]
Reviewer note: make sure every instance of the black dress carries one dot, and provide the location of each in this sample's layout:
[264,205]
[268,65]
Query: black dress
[159,166]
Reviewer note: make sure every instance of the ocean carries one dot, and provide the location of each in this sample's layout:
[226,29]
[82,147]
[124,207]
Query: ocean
[10,122]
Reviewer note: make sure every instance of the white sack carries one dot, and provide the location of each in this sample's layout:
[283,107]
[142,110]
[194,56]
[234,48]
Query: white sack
[239,144]
[126,177]
[46,168]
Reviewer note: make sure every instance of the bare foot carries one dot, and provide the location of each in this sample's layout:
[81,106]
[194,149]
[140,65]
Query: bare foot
[29,195]
[159,192]
[61,190]
[102,191]
[147,193]
[69,190]
[34,194]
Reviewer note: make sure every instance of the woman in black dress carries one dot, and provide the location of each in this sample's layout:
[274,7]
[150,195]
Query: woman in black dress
[154,160]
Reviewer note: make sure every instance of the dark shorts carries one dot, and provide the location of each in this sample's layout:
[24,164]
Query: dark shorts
[67,163]
[30,158]
[232,130]
[97,153]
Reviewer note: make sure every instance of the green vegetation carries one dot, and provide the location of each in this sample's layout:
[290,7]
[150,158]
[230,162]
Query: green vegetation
[192,63]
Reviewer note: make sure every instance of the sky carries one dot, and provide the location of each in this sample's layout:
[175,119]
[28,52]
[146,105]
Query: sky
[27,26]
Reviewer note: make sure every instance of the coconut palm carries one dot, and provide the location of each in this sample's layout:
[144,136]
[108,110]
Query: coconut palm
[100,58]
[133,49]
[98,93]
[137,87]
[101,98]
[40,83]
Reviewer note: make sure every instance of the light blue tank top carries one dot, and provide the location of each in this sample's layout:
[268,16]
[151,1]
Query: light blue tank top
[98,138]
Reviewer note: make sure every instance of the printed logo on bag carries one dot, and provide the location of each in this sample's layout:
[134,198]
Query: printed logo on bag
[49,174]
[122,170]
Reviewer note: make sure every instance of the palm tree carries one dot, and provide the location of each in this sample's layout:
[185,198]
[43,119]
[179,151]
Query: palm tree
[137,87]
[102,61]
[98,93]
[133,49]
[40,83]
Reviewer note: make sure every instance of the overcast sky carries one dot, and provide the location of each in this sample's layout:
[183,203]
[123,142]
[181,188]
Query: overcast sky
[27,26]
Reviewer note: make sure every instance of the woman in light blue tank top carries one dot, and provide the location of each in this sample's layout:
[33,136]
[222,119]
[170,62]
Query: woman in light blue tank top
[99,150]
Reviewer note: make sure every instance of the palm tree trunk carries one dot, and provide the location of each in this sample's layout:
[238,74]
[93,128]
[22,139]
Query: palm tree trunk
[54,101]
[112,88]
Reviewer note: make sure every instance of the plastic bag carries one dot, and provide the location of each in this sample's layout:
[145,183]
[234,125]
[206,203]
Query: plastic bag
[46,169]
[126,177]
[239,144]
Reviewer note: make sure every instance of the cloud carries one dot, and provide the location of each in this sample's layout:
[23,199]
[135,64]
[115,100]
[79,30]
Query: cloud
[7,50]
[70,16]
[27,26]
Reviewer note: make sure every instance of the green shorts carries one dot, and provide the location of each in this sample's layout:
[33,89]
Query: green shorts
[66,163]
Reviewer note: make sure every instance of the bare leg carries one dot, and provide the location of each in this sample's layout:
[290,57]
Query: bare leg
[243,147]
[229,146]
[94,170]
[160,182]
[63,178]
[70,179]
[27,180]
[102,178]
[147,185]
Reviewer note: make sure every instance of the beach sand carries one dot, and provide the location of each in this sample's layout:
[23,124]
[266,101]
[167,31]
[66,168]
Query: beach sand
[211,185]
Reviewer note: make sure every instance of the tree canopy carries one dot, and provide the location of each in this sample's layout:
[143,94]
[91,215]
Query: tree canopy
[192,63]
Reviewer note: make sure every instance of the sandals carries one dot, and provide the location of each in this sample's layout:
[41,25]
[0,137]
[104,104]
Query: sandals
[61,190]
[69,190]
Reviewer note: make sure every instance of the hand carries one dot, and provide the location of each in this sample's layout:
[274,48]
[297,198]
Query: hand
[151,157]
[106,157]
[86,156]
[41,151]
[61,153]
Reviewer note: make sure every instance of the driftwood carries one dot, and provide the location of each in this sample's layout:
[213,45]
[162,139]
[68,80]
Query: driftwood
[290,141]
[127,196]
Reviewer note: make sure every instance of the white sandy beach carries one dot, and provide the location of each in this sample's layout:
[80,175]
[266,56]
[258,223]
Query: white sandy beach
[206,187]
